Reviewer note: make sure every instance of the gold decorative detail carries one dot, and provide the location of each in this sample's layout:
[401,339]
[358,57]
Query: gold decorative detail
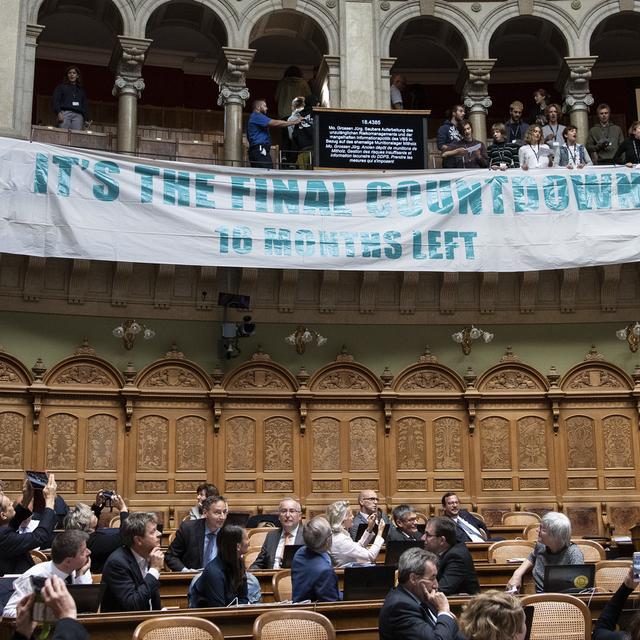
[280,486]
[511,379]
[83,374]
[534,483]
[363,444]
[618,442]
[410,445]
[326,444]
[278,444]
[447,439]
[327,485]
[446,484]
[241,444]
[11,440]
[153,443]
[191,443]
[259,378]
[581,450]
[240,486]
[496,484]
[426,380]
[582,483]
[151,486]
[62,442]
[532,443]
[173,377]
[343,379]
[620,483]
[102,440]
[495,450]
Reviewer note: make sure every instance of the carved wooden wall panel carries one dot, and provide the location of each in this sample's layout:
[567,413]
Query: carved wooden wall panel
[12,439]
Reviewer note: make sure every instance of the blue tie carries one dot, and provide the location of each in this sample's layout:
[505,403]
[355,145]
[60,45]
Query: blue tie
[209,548]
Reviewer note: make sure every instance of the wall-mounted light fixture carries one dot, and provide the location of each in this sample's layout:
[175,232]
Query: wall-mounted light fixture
[129,330]
[630,333]
[302,336]
[465,336]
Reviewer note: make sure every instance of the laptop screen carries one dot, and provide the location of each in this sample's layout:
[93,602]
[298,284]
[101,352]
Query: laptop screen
[569,578]
[86,596]
[288,553]
[396,548]
[368,583]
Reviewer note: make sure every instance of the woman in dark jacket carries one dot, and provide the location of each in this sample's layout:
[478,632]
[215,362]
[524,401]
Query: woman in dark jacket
[630,148]
[224,581]
[69,101]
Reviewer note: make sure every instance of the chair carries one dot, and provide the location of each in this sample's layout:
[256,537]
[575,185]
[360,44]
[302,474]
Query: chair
[610,574]
[591,550]
[520,517]
[504,550]
[171,538]
[478,516]
[256,536]
[114,523]
[422,517]
[531,531]
[282,587]
[38,556]
[177,628]
[283,625]
[251,555]
[558,615]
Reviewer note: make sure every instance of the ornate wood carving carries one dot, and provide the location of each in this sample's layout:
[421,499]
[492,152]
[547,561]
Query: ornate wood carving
[240,486]
[448,484]
[85,374]
[360,485]
[102,442]
[414,484]
[618,442]
[532,443]
[259,378]
[623,518]
[153,443]
[187,486]
[172,377]
[9,375]
[62,442]
[447,440]
[581,451]
[620,483]
[594,377]
[582,483]
[151,486]
[12,426]
[534,483]
[411,444]
[321,486]
[343,379]
[240,443]
[583,520]
[278,444]
[363,444]
[497,484]
[495,450]
[191,443]
[279,486]
[326,444]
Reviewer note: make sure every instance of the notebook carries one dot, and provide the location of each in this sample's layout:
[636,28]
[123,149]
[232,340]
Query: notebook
[569,578]
[396,548]
[368,583]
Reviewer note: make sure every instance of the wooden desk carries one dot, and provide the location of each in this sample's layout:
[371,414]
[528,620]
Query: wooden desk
[507,531]
[351,620]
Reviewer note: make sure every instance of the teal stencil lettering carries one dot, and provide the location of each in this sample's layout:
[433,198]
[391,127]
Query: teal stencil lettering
[408,195]
[65,164]
[525,194]
[628,190]
[370,245]
[108,189]
[305,243]
[394,249]
[433,240]
[41,176]
[340,199]
[242,242]
[376,191]
[556,192]
[439,198]
[469,196]
[146,181]
[204,188]
[261,195]
[286,194]
[497,184]
[316,199]
[349,243]
[329,244]
[277,242]
[468,237]
[239,191]
[592,189]
[176,185]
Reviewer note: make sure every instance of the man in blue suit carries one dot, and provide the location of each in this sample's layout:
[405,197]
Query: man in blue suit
[468,527]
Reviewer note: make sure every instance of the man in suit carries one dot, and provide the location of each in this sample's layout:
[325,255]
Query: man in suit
[58,599]
[368,501]
[415,608]
[196,541]
[468,527]
[15,547]
[203,491]
[290,532]
[132,572]
[456,572]
[406,524]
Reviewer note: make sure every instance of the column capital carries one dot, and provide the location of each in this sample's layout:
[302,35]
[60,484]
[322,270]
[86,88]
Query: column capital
[575,77]
[127,60]
[476,85]
[231,75]
[386,65]
[33,32]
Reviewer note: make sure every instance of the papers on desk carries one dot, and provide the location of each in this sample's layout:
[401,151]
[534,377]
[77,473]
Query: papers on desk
[514,560]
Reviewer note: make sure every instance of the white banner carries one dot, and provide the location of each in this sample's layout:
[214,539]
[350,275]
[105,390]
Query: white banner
[74,203]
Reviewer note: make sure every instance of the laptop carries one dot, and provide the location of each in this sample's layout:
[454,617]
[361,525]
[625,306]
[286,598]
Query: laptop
[569,578]
[238,517]
[287,556]
[86,596]
[396,548]
[368,583]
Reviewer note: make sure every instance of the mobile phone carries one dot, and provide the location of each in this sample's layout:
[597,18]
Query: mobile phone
[38,479]
[40,611]
[636,566]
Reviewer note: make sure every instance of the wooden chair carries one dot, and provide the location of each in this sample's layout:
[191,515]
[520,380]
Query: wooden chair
[177,628]
[558,615]
[256,536]
[531,531]
[114,523]
[610,574]
[283,625]
[520,517]
[422,517]
[171,538]
[504,550]
[250,556]
[38,556]
[591,550]
[282,587]
[477,515]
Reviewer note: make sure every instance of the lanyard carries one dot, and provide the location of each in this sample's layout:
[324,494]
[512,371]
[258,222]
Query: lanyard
[536,154]
[575,155]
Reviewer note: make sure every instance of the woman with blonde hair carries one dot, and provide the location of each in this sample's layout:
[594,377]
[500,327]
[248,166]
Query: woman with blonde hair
[534,154]
[344,550]
[493,615]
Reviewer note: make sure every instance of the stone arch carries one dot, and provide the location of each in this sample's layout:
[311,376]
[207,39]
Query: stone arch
[260,374]
[344,376]
[324,20]
[13,373]
[624,27]
[547,11]
[124,7]
[594,18]
[221,8]
[85,371]
[173,373]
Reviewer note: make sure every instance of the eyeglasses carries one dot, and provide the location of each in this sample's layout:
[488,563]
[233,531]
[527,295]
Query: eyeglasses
[284,512]
[372,499]
[429,535]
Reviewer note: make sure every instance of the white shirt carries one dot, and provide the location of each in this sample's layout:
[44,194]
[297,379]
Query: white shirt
[22,585]
[344,550]
[469,529]
[144,566]
[534,156]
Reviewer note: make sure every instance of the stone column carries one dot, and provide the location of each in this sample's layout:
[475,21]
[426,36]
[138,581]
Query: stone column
[12,34]
[329,79]
[476,94]
[127,61]
[384,99]
[25,82]
[574,80]
[231,76]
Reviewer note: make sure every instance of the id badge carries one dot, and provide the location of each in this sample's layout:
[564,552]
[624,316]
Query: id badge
[75,103]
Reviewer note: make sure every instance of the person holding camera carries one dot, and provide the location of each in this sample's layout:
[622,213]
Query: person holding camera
[15,547]
[70,561]
[58,600]
[605,137]
[102,541]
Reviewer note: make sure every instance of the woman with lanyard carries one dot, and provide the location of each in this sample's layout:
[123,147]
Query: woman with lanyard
[573,155]
[534,154]
[553,131]
[69,101]
[630,148]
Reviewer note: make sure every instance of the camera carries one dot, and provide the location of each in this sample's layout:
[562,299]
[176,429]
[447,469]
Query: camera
[40,611]
[107,495]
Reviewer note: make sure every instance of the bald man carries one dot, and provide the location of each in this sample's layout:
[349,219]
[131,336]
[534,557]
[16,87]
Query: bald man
[368,501]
